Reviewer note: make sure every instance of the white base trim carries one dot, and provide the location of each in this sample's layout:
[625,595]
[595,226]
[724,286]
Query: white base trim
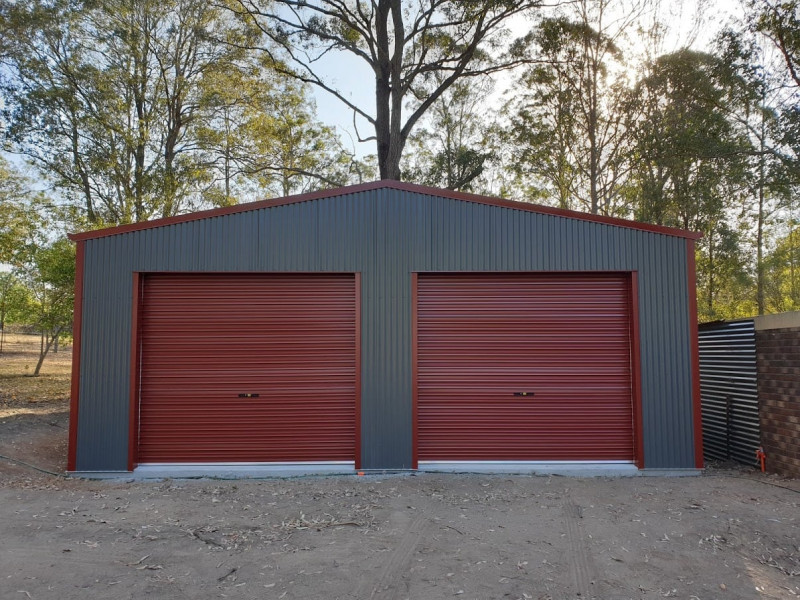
[241,470]
[574,468]
[568,468]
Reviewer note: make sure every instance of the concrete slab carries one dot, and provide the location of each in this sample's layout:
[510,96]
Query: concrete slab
[287,470]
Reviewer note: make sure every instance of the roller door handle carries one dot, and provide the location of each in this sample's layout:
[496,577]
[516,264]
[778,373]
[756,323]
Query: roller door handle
[248,395]
[524,393]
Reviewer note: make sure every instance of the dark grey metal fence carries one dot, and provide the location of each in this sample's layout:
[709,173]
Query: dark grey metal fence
[728,388]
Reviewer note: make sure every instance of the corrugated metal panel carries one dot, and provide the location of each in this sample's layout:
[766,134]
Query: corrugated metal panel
[729,392]
[524,367]
[387,235]
[209,341]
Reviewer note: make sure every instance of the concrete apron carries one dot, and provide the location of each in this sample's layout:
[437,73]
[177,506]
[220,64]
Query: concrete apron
[273,470]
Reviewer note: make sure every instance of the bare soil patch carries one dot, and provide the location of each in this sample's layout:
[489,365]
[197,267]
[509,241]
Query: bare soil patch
[423,536]
[17,363]
[34,411]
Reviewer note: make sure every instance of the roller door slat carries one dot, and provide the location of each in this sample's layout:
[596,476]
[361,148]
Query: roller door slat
[565,339]
[206,339]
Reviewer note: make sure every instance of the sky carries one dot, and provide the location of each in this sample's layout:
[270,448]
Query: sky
[689,21]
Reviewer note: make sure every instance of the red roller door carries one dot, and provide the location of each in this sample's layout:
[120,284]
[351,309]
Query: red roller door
[247,368]
[524,367]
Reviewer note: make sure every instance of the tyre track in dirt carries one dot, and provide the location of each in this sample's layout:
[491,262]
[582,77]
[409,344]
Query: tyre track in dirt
[392,581]
[581,566]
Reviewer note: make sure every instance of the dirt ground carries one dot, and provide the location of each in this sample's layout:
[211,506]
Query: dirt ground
[731,533]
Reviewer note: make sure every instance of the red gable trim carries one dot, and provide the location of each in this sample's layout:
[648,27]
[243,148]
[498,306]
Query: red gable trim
[375,185]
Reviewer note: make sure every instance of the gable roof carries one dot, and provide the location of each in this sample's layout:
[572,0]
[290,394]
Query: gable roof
[375,185]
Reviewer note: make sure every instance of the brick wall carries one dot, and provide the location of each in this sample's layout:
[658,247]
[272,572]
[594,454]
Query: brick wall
[778,362]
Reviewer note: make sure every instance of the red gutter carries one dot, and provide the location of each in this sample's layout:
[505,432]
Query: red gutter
[386,183]
[695,350]
[77,319]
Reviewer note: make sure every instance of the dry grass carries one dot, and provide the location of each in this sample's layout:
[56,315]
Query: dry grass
[17,363]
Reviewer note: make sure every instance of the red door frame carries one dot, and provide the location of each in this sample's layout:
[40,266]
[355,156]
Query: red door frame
[75,383]
[636,375]
[135,366]
[133,409]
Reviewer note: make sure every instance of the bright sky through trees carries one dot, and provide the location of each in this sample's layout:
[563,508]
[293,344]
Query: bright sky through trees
[688,22]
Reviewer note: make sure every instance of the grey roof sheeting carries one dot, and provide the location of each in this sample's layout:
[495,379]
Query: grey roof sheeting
[385,232]
[387,183]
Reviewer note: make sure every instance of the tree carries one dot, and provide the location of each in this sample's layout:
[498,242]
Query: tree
[39,288]
[49,272]
[452,150]
[292,151]
[14,215]
[569,119]
[782,271]
[15,303]
[258,134]
[101,96]
[779,21]
[763,104]
[414,49]
[691,159]
[687,146]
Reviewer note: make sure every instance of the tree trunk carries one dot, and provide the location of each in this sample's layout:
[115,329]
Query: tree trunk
[594,154]
[383,89]
[388,89]
[85,183]
[710,298]
[760,304]
[45,348]
[2,325]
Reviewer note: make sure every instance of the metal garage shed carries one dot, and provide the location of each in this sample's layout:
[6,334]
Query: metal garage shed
[385,326]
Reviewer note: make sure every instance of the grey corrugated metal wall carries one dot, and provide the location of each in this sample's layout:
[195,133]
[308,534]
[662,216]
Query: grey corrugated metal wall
[387,234]
[729,390]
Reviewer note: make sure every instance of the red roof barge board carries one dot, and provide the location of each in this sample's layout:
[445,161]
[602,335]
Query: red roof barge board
[376,185]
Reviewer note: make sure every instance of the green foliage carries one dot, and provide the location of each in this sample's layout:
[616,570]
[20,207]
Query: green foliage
[687,148]
[782,272]
[19,221]
[16,301]
[39,289]
[453,149]
[566,122]
[145,109]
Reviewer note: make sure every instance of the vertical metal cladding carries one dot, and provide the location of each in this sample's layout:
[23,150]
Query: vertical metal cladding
[386,235]
[729,390]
